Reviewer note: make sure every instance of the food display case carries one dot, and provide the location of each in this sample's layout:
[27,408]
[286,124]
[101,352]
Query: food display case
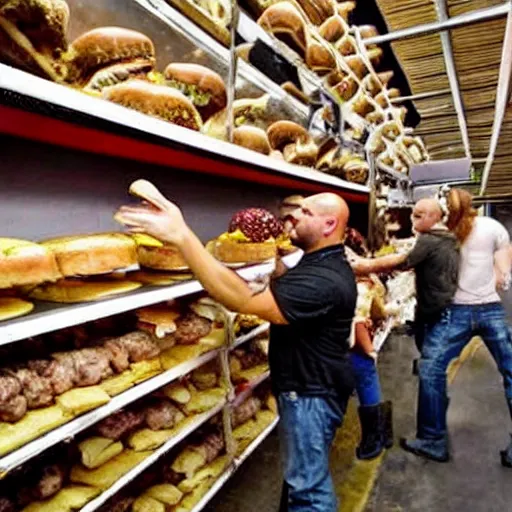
[205,100]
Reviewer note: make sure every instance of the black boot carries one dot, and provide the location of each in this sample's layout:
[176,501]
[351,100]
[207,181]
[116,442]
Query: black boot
[386,412]
[371,433]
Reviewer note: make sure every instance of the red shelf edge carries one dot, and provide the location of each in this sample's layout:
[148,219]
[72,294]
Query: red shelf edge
[37,127]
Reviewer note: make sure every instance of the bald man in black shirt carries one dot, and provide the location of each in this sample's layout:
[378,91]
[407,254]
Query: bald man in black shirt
[310,309]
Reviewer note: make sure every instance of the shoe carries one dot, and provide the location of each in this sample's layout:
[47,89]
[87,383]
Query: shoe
[386,412]
[433,449]
[506,456]
[371,444]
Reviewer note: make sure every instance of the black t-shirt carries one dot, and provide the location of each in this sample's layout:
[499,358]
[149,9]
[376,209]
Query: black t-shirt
[309,355]
[435,259]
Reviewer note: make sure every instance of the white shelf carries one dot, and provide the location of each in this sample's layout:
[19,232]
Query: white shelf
[48,317]
[149,461]
[69,430]
[32,86]
[251,335]
[219,483]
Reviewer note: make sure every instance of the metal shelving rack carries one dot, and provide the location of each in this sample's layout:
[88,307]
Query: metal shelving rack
[49,318]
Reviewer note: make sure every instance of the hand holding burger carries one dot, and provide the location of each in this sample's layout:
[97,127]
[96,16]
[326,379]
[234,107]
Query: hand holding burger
[157,216]
[162,219]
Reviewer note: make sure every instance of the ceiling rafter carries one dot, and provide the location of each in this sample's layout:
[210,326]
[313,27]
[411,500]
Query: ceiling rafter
[502,96]
[477,16]
[453,79]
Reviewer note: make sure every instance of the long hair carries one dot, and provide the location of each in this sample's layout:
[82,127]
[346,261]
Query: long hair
[462,214]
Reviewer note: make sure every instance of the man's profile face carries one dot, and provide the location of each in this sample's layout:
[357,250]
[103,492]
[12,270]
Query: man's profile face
[424,217]
[303,225]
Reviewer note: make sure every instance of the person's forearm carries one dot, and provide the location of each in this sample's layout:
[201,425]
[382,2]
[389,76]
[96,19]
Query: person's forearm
[502,264]
[363,339]
[384,263]
[220,282]
[502,260]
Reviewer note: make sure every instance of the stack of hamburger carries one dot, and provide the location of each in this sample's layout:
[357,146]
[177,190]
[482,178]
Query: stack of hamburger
[183,330]
[118,64]
[252,416]
[69,269]
[181,479]
[320,33]
[248,361]
[254,235]
[77,370]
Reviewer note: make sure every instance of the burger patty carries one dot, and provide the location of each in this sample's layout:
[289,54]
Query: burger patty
[191,327]
[119,424]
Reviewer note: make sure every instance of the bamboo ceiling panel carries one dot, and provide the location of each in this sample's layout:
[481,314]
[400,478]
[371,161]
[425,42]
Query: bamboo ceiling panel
[456,7]
[442,104]
[477,52]
[422,60]
[407,13]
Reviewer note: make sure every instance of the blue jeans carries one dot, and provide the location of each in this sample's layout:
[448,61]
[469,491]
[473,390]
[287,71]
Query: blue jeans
[444,342]
[367,379]
[307,428]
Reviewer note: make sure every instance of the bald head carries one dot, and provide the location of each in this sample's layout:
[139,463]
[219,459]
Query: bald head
[426,214]
[328,204]
[319,221]
[431,207]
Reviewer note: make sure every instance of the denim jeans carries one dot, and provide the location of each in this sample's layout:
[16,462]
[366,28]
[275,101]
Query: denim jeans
[307,428]
[367,379]
[443,342]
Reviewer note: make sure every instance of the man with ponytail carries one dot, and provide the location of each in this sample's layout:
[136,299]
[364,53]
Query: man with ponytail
[476,311]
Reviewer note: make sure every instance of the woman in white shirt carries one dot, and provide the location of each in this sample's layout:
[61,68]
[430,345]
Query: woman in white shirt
[476,311]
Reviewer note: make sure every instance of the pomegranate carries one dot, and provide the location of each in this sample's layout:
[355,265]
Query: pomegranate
[257,224]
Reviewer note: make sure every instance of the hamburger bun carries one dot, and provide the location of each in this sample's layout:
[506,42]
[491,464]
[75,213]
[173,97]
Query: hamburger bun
[33,35]
[356,170]
[159,278]
[333,164]
[105,46]
[345,8]
[253,138]
[317,10]
[157,101]
[320,57]
[368,31]
[167,257]
[285,21]
[25,263]
[117,73]
[245,110]
[301,153]
[85,255]
[158,320]
[201,85]
[333,29]
[230,251]
[79,290]
[283,133]
[12,307]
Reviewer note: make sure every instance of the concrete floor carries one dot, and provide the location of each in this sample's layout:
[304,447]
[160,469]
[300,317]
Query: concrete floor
[474,481]
[479,423]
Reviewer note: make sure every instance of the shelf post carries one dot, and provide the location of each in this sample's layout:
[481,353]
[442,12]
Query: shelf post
[372,199]
[232,69]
